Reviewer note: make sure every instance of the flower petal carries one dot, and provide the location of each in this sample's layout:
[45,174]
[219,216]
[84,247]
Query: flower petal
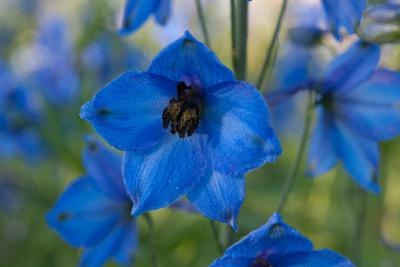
[120,244]
[351,68]
[345,14]
[136,13]
[104,167]
[219,198]
[83,215]
[321,154]
[227,261]
[163,11]
[127,113]
[236,120]
[189,58]
[374,106]
[159,176]
[273,238]
[359,154]
[317,258]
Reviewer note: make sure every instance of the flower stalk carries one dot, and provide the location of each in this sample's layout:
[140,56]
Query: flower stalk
[215,233]
[152,241]
[200,13]
[239,30]
[296,167]
[272,48]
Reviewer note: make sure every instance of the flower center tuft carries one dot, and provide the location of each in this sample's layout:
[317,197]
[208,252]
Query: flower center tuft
[183,111]
[260,262]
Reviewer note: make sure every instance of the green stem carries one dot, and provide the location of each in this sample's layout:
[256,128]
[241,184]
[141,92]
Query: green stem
[152,241]
[200,13]
[214,230]
[296,167]
[359,226]
[239,27]
[270,52]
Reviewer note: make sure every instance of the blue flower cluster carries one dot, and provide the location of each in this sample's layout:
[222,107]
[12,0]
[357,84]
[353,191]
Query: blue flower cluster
[189,131]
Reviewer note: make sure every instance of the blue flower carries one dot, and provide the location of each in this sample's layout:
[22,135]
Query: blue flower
[109,55]
[138,11]
[278,244]
[357,106]
[345,14]
[93,212]
[188,128]
[52,62]
[19,118]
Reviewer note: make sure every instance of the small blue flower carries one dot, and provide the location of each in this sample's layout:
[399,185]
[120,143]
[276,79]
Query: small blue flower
[19,118]
[278,244]
[93,212]
[138,11]
[52,62]
[357,106]
[188,128]
[345,14]
[108,55]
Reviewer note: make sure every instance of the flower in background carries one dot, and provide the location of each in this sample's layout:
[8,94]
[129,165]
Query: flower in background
[19,118]
[108,56]
[49,61]
[381,23]
[138,11]
[278,244]
[93,212]
[188,127]
[357,106]
[345,14]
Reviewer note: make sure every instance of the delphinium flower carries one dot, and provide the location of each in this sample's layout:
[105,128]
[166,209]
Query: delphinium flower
[344,14]
[357,106]
[107,56]
[188,128]
[50,61]
[381,23]
[19,118]
[93,212]
[138,11]
[279,245]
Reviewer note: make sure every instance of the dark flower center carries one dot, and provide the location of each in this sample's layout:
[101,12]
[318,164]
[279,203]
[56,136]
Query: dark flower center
[183,112]
[260,262]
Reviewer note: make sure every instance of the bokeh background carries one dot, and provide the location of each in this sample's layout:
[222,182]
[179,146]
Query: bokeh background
[59,53]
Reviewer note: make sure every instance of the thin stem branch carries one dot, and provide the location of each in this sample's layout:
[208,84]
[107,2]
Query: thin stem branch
[152,240]
[239,27]
[296,167]
[200,13]
[269,56]
[215,232]
[359,226]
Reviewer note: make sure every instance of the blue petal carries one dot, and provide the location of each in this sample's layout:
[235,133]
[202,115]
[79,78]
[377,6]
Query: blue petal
[159,176]
[120,244]
[136,13]
[273,238]
[321,154]
[374,106]
[127,113]
[163,11]
[189,58]
[227,261]
[83,215]
[345,14]
[359,154]
[351,68]
[236,120]
[317,258]
[219,197]
[104,166]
